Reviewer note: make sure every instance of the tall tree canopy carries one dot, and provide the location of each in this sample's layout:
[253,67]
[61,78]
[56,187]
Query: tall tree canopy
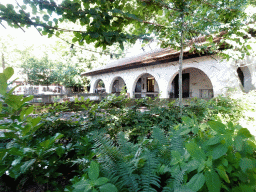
[175,23]
[108,21]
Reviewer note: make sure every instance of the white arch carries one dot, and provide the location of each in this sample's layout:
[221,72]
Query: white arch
[144,89]
[112,82]
[247,78]
[204,82]
[96,84]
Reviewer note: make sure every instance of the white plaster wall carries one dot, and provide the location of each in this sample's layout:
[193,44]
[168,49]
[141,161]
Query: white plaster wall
[221,74]
[121,84]
[198,80]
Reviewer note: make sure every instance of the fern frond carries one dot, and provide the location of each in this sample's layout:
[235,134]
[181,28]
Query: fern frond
[162,146]
[177,142]
[158,134]
[148,175]
[116,161]
[126,147]
[178,180]
[127,177]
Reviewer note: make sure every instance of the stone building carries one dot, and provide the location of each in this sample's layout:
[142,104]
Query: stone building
[156,72]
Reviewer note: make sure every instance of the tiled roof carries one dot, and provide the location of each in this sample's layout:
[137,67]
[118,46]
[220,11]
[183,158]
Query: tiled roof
[154,57]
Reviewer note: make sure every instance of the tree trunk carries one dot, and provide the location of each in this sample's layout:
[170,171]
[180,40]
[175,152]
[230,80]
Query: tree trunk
[180,65]
[3,63]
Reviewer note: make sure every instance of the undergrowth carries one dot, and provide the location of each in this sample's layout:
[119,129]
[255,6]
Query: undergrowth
[118,146]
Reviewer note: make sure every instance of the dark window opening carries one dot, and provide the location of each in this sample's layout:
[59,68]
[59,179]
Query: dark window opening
[185,85]
[138,86]
[240,75]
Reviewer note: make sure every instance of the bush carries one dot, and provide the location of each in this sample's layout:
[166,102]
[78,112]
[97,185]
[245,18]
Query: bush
[123,147]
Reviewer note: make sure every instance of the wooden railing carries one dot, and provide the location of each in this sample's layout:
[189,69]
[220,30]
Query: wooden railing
[146,94]
[67,97]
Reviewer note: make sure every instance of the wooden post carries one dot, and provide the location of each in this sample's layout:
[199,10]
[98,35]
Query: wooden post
[180,65]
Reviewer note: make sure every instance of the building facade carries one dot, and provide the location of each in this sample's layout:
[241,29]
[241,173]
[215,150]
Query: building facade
[156,73]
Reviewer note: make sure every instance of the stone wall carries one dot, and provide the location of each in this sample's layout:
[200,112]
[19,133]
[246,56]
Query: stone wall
[207,72]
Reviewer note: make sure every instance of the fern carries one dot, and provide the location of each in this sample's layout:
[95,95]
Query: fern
[177,142]
[127,178]
[126,148]
[148,176]
[115,163]
[162,146]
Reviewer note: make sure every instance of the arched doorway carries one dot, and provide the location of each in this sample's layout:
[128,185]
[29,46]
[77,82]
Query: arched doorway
[195,83]
[118,85]
[146,86]
[99,87]
[245,78]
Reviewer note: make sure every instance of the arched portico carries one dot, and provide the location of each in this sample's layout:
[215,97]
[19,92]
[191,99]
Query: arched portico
[145,85]
[99,86]
[117,85]
[195,83]
[245,78]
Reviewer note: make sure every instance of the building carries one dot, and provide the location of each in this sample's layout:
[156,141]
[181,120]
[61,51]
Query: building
[155,72]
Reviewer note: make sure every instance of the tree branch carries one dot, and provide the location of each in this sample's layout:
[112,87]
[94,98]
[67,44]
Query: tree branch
[2,25]
[86,12]
[19,26]
[27,16]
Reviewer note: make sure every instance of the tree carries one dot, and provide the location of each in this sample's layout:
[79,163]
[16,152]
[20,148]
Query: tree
[175,23]
[39,71]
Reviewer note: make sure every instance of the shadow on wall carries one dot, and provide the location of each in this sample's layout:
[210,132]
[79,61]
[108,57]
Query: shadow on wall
[245,78]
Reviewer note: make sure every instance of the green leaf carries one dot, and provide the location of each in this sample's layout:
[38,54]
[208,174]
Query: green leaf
[26,165]
[84,107]
[212,181]
[245,164]
[3,169]
[82,185]
[47,143]
[60,151]
[217,126]
[176,157]
[225,162]
[238,141]
[46,17]
[195,151]
[3,84]
[192,165]
[108,188]
[26,99]
[219,151]
[196,182]
[101,181]
[93,170]
[222,173]
[214,140]
[185,132]
[8,72]
[245,133]
[35,121]
[29,110]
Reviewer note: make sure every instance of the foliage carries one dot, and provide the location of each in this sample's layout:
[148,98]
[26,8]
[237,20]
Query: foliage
[94,182]
[107,22]
[116,147]
[39,71]
[35,151]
